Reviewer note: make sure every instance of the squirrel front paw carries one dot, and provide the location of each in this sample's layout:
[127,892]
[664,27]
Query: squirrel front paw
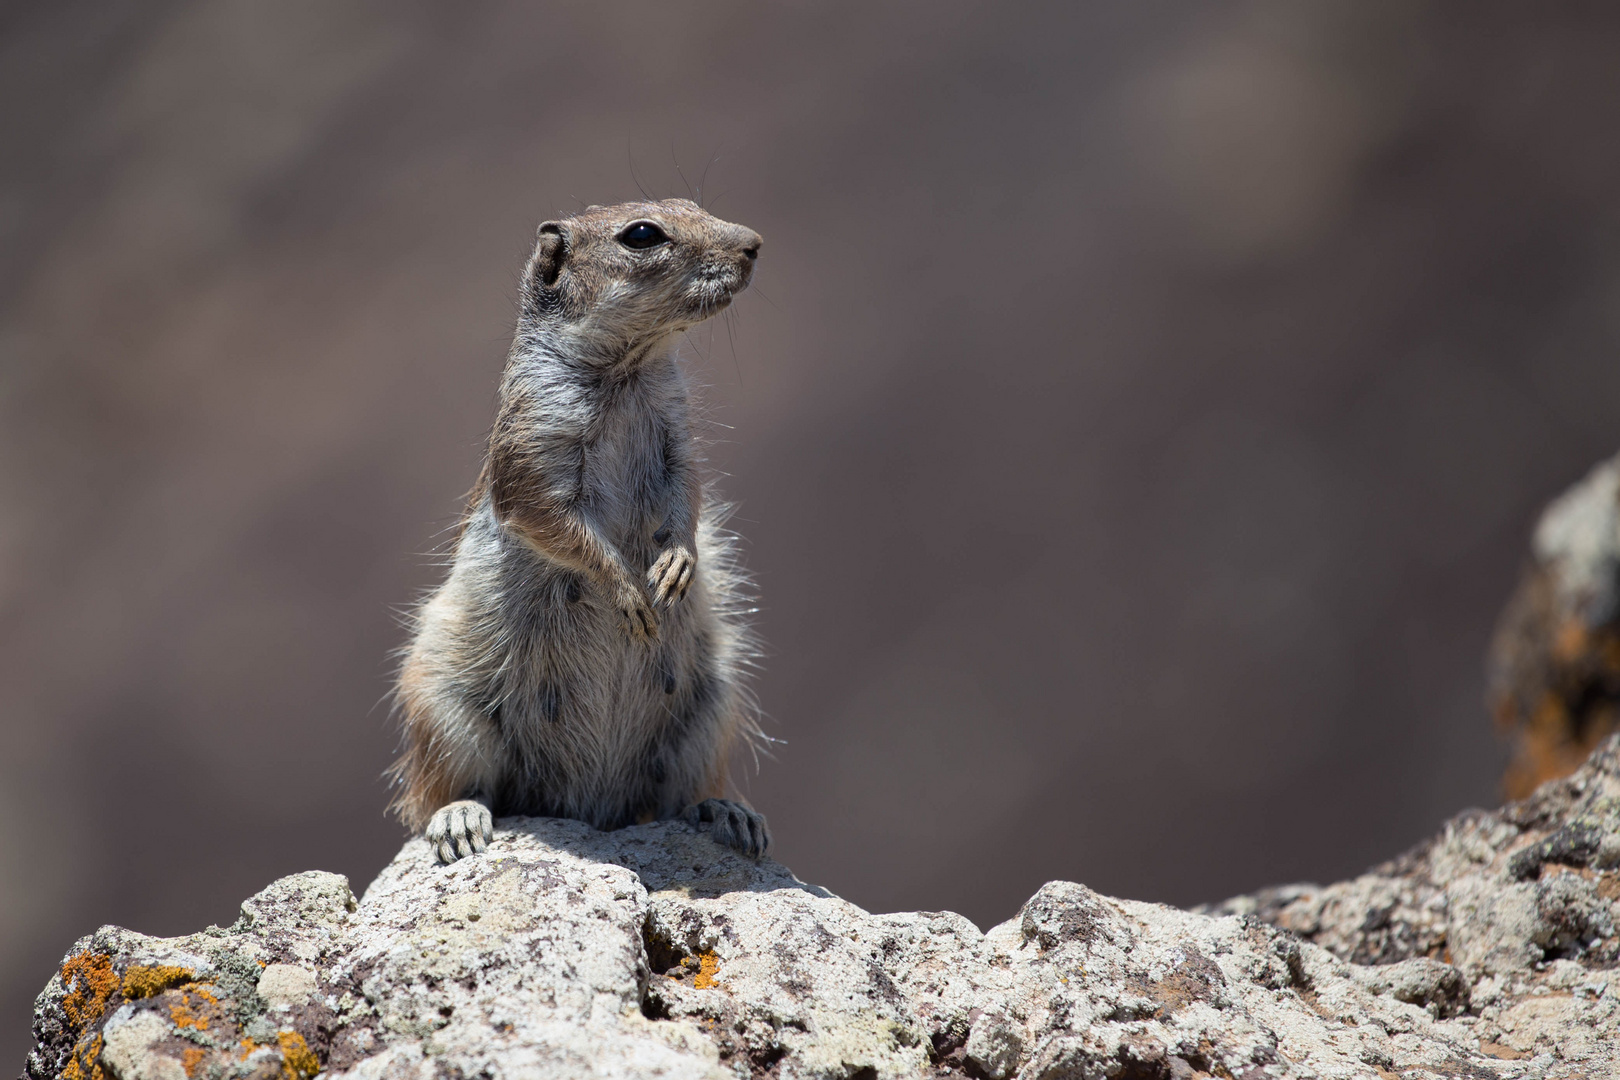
[635,612]
[739,827]
[671,575]
[459,829]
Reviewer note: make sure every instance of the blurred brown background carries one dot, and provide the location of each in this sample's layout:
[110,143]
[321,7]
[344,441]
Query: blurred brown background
[1138,420]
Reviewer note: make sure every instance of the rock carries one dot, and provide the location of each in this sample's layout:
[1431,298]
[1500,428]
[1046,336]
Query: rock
[564,952]
[1439,987]
[1554,668]
[1506,921]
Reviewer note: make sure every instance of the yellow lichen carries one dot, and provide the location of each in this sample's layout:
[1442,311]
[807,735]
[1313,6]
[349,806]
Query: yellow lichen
[708,967]
[298,1061]
[90,981]
[191,1057]
[142,981]
[248,1046]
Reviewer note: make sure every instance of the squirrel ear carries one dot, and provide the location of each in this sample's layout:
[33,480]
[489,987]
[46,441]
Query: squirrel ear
[549,253]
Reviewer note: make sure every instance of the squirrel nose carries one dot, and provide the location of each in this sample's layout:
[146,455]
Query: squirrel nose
[751,241]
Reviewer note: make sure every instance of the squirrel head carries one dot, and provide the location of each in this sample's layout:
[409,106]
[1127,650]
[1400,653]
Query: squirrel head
[614,278]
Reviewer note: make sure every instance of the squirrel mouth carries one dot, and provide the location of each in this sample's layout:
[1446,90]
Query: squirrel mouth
[714,295]
[708,307]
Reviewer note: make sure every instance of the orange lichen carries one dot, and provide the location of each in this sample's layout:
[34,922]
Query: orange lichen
[195,1014]
[1570,641]
[183,1017]
[708,967]
[142,981]
[248,1046]
[191,1057]
[90,981]
[1554,682]
[1553,742]
[85,1064]
[298,1061]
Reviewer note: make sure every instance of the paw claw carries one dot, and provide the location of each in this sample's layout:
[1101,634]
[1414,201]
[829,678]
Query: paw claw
[731,823]
[671,575]
[637,614]
[460,829]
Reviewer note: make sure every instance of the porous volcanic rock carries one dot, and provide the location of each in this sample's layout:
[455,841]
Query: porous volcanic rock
[651,951]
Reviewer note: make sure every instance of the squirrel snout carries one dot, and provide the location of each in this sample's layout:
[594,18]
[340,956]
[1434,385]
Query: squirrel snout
[748,242]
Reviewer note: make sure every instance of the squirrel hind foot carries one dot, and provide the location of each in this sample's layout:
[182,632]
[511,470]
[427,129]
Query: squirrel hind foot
[460,829]
[738,827]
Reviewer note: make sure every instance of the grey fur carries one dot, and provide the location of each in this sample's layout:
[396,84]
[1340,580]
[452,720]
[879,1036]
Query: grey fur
[584,659]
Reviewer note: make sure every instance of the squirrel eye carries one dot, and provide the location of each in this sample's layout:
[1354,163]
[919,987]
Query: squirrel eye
[643,234]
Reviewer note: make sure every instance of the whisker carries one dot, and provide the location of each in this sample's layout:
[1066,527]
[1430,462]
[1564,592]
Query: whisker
[631,157]
[678,172]
[762,296]
[704,179]
[732,337]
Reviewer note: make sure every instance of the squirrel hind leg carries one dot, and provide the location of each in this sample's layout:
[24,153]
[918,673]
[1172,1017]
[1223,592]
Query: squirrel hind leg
[739,827]
[459,829]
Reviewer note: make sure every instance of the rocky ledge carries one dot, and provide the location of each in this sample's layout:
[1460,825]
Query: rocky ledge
[1488,952]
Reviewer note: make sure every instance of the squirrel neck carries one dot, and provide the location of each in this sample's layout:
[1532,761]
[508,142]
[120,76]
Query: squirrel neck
[609,359]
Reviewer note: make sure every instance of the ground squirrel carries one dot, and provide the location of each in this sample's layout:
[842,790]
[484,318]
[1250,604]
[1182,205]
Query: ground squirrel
[583,658]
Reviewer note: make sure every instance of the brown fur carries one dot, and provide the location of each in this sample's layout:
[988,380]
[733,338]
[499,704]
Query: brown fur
[584,657]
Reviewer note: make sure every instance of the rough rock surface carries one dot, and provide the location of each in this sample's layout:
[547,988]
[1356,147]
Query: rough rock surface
[565,952]
[1555,660]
